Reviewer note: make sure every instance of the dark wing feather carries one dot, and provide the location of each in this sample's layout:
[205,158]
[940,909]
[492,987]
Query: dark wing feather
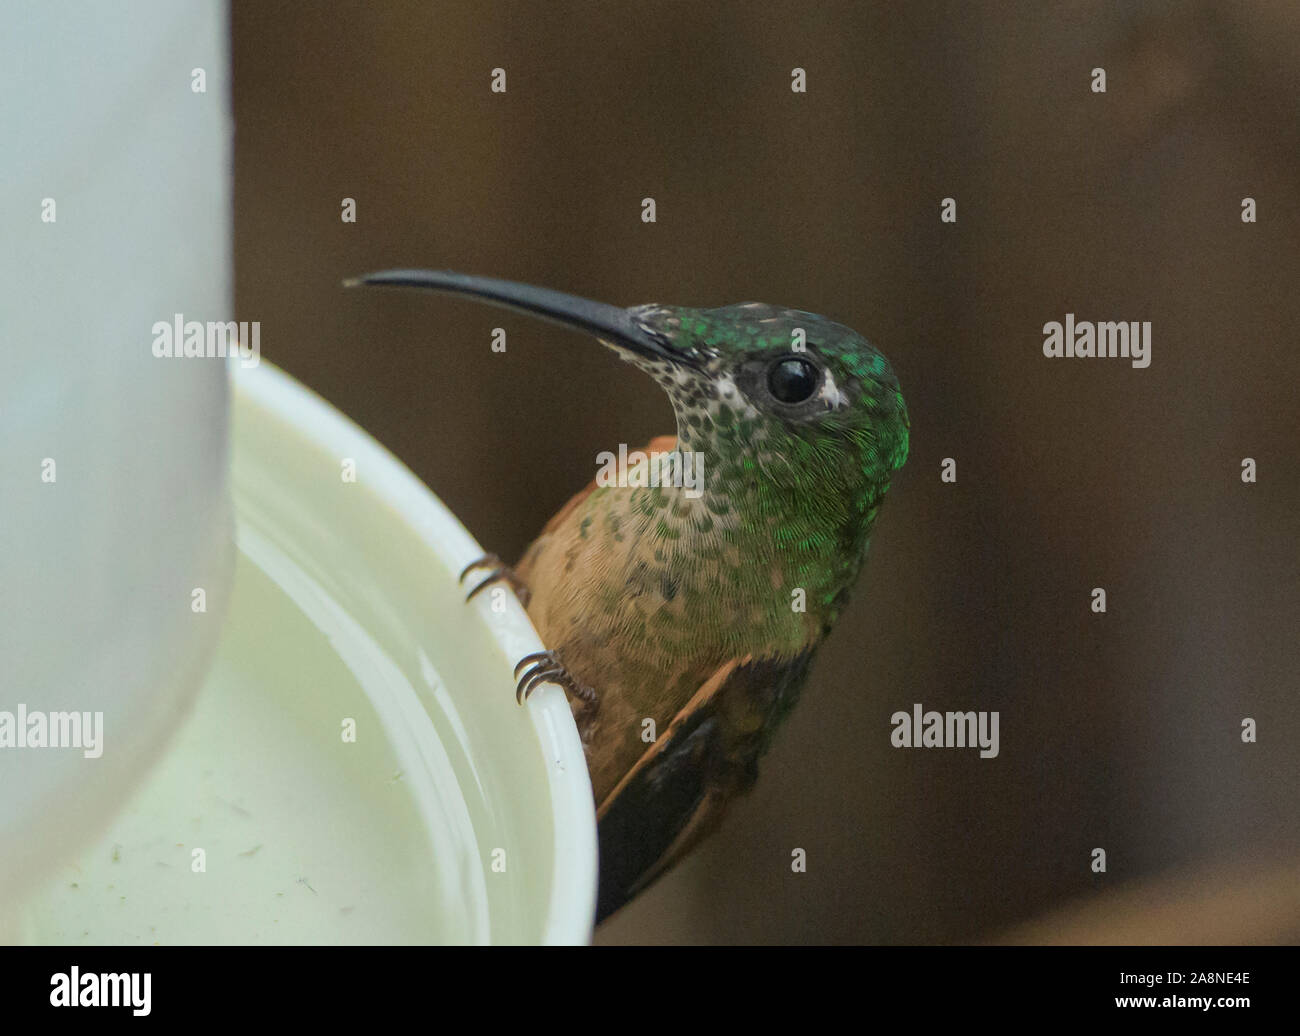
[678,791]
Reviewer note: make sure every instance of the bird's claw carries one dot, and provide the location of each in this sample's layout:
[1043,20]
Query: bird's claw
[545,667]
[498,571]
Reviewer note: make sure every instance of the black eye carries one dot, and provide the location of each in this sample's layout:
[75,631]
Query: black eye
[792,379]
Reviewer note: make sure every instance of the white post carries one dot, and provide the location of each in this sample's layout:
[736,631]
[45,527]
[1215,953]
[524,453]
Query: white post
[115,166]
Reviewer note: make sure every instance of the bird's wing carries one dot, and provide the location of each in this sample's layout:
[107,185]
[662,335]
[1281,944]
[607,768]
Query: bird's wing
[678,790]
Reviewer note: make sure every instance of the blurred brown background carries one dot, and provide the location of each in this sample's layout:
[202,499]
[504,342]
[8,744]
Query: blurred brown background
[1120,731]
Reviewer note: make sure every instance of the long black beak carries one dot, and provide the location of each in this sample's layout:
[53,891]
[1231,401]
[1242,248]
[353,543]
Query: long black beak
[608,323]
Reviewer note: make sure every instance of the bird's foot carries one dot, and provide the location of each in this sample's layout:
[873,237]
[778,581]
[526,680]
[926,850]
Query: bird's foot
[546,667]
[497,572]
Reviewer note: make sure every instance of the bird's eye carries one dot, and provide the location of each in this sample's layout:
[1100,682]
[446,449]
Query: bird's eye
[792,379]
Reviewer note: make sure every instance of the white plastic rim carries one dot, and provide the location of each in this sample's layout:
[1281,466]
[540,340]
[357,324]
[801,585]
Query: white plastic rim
[535,747]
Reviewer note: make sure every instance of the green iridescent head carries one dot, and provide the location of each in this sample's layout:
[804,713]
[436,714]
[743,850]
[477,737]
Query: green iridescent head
[806,399]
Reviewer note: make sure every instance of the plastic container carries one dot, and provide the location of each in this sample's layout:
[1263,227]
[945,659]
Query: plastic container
[356,769]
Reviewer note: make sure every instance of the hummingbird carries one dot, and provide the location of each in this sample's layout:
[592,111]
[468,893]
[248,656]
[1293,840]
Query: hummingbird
[682,620]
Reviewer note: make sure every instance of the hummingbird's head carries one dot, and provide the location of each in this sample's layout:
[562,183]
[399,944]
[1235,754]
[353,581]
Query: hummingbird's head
[776,393]
[770,396]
